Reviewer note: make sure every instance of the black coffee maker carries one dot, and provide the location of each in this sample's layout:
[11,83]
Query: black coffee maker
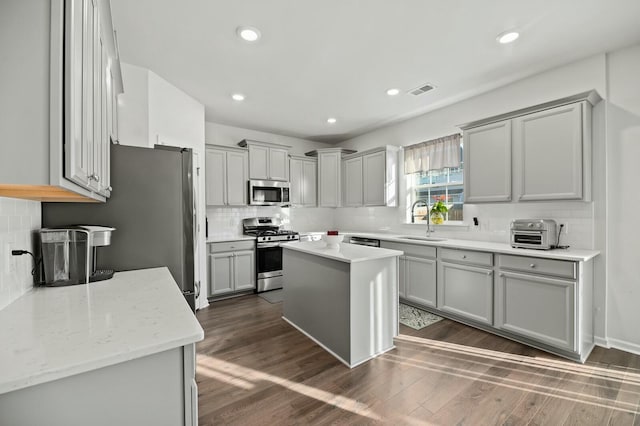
[69,254]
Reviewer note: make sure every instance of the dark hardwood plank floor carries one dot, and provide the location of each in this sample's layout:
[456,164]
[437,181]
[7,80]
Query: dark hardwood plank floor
[255,369]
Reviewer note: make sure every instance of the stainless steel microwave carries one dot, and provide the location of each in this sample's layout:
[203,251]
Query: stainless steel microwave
[268,193]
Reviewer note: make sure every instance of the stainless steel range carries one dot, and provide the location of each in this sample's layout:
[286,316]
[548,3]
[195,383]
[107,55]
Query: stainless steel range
[269,237]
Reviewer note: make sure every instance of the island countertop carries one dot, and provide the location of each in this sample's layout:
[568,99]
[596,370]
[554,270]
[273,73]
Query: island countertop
[52,333]
[348,253]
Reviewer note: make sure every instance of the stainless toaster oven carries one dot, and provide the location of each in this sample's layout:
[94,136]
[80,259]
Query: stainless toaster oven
[533,233]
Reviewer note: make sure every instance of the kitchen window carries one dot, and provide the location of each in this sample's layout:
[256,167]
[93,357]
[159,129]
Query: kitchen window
[445,184]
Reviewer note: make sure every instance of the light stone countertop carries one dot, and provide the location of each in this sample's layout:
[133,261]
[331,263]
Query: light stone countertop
[348,253]
[226,239]
[578,255]
[52,333]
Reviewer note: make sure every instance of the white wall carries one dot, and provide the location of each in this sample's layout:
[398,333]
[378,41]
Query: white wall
[19,219]
[133,106]
[623,202]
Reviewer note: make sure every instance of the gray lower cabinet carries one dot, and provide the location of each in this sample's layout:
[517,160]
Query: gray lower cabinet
[231,267]
[466,291]
[536,307]
[157,389]
[417,273]
[537,299]
[420,280]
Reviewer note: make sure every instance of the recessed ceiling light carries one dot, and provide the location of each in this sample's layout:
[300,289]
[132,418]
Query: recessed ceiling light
[238,97]
[248,33]
[331,120]
[507,37]
[393,92]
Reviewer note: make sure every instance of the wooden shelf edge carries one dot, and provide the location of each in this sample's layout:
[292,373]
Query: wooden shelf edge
[42,193]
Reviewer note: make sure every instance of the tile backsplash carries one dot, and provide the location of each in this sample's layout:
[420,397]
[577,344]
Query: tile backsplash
[18,221]
[493,219]
[227,221]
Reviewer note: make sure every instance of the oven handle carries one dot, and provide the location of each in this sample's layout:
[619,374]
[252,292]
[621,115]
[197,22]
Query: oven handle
[267,245]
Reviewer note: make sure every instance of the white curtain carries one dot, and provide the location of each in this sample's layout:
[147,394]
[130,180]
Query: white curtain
[432,155]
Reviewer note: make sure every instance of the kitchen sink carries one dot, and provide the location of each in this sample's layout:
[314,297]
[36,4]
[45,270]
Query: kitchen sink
[412,237]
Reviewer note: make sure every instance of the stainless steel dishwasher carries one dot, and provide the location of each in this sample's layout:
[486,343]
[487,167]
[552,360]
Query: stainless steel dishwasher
[360,241]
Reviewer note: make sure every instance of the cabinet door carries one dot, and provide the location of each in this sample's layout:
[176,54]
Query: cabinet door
[466,291]
[278,164]
[95,150]
[420,280]
[221,272]
[487,163]
[244,267]
[374,177]
[78,155]
[353,182]
[297,181]
[258,162]
[539,308]
[216,183]
[309,183]
[236,178]
[550,146]
[329,179]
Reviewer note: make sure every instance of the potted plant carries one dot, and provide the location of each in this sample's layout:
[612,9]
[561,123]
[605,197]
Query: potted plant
[438,210]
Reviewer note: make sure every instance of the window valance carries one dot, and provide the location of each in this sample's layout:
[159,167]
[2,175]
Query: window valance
[435,154]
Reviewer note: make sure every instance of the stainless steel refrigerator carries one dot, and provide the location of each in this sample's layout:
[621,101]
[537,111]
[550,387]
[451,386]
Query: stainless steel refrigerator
[152,209]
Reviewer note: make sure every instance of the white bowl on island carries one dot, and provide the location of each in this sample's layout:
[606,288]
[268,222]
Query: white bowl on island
[332,241]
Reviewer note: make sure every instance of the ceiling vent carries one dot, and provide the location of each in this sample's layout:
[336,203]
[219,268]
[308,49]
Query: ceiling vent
[422,89]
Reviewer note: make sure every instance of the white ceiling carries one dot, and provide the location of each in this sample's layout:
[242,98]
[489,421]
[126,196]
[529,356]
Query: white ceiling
[337,58]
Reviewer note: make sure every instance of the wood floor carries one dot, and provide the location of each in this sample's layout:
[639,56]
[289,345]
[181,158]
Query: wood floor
[255,369]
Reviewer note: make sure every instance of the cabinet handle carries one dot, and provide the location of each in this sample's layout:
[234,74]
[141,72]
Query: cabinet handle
[464,256]
[501,274]
[109,189]
[97,178]
[533,265]
[490,272]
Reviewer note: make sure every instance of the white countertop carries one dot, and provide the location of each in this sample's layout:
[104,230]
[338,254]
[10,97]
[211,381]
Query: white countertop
[348,253]
[225,239]
[51,333]
[560,254]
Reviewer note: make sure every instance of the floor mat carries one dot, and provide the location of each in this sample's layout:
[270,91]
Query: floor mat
[416,318]
[273,296]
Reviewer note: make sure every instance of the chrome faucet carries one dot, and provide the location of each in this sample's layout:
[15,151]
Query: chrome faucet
[413,206]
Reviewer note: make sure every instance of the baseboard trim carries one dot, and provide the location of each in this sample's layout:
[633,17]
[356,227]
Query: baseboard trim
[633,348]
[602,342]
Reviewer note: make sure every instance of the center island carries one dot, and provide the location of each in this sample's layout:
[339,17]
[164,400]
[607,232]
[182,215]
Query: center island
[345,298]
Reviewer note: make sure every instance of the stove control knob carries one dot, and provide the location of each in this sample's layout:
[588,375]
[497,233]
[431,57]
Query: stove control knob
[269,238]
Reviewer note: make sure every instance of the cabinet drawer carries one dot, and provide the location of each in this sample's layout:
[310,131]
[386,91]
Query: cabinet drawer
[410,249]
[558,268]
[466,257]
[231,246]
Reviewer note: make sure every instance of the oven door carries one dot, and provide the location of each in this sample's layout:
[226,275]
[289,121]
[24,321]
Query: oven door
[269,260]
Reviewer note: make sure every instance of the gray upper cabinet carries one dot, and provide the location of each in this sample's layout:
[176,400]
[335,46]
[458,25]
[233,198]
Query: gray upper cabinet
[371,178]
[534,154]
[487,163]
[227,176]
[329,177]
[353,196]
[303,173]
[267,161]
[550,147]
[62,149]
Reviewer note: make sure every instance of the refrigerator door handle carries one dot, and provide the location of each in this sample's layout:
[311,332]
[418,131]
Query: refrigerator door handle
[197,288]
